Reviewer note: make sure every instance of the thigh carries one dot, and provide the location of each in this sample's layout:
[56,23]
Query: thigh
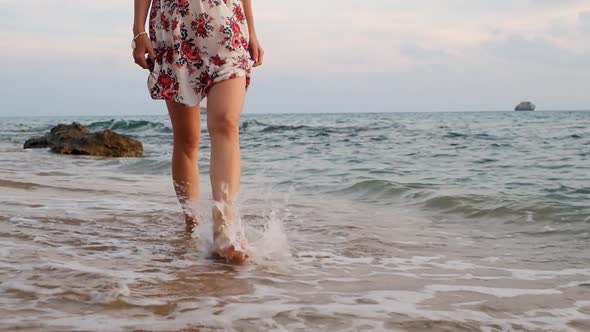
[186,121]
[225,100]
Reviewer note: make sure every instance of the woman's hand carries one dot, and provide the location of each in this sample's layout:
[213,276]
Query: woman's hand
[256,51]
[143,46]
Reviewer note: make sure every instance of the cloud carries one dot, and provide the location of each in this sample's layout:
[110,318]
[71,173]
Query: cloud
[379,54]
[535,51]
[584,21]
[421,53]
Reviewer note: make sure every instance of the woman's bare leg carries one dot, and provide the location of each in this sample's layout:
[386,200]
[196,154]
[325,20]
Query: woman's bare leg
[186,126]
[225,103]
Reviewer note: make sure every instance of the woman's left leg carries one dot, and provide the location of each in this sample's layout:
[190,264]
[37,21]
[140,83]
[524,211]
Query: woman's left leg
[186,126]
[225,102]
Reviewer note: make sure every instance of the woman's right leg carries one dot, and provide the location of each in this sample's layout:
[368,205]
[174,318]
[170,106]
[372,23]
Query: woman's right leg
[186,128]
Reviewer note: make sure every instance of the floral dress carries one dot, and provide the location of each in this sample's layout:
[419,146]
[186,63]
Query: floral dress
[197,43]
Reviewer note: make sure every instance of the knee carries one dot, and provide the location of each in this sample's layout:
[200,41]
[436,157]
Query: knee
[227,125]
[187,143]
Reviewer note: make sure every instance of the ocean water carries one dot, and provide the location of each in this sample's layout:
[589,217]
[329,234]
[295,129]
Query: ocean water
[359,222]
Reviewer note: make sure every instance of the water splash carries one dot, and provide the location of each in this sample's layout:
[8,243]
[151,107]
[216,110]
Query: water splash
[271,245]
[264,230]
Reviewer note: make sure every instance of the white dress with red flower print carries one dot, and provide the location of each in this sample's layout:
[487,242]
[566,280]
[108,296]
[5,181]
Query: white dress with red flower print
[197,43]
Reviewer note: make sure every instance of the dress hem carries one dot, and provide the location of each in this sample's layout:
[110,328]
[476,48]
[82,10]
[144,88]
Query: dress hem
[236,74]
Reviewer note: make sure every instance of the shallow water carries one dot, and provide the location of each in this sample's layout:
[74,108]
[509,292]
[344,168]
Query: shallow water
[408,222]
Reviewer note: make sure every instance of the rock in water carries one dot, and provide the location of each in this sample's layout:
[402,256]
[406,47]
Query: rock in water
[525,106]
[78,140]
[37,143]
[63,133]
[103,143]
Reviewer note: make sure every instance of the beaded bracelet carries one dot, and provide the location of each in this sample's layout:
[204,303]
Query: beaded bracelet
[133,44]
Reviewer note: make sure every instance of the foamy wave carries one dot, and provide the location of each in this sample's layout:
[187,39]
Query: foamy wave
[130,126]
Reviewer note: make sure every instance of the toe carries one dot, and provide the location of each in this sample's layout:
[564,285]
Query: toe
[235,256]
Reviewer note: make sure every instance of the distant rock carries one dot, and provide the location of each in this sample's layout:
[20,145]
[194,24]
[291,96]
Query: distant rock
[76,139]
[37,143]
[525,106]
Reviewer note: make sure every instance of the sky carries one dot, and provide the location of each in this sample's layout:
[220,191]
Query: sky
[73,57]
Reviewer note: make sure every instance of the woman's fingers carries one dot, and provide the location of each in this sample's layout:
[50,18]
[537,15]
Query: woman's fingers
[257,54]
[140,59]
[151,52]
[260,57]
[254,51]
[152,57]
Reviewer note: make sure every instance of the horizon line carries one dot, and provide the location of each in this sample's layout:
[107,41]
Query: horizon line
[294,113]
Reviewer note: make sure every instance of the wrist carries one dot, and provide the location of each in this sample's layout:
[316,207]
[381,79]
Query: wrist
[137,30]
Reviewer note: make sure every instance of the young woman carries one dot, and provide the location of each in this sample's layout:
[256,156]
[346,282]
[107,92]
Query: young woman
[197,49]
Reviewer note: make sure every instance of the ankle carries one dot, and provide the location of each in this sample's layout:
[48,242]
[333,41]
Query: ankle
[191,223]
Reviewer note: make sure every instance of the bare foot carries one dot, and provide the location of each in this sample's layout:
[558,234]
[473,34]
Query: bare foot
[233,251]
[226,245]
[234,255]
